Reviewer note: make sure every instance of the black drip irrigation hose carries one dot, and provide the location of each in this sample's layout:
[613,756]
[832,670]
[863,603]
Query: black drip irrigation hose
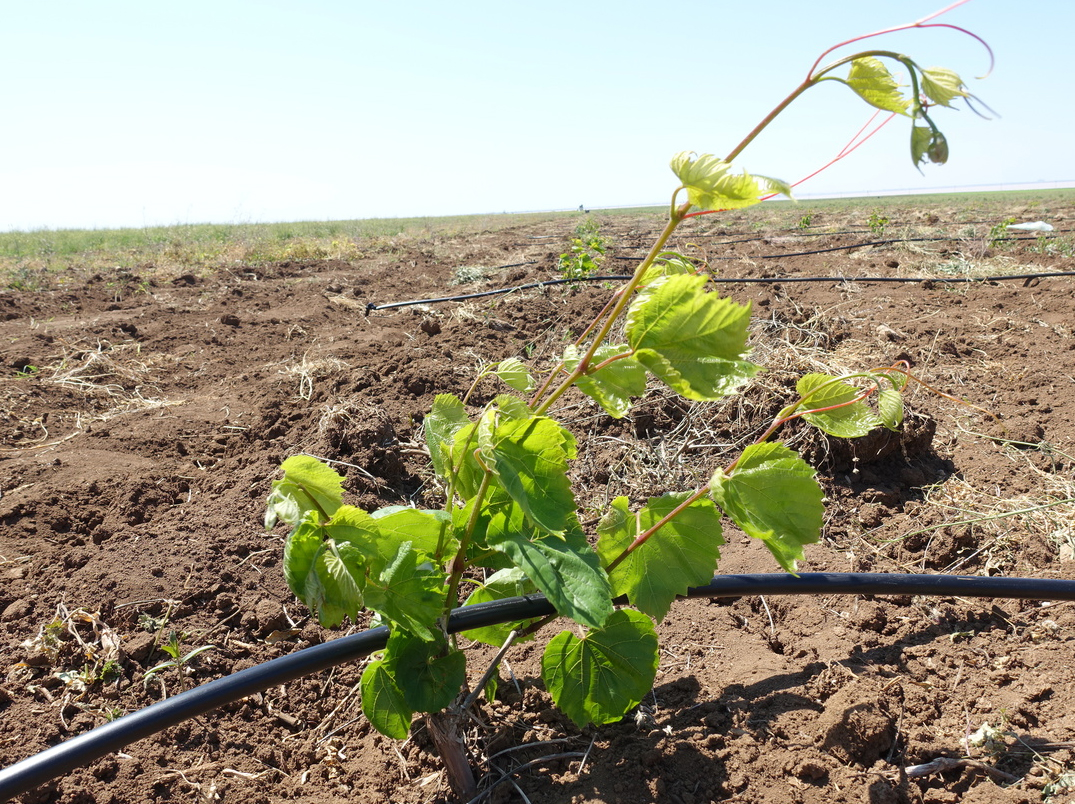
[85,748]
[774,280]
[372,306]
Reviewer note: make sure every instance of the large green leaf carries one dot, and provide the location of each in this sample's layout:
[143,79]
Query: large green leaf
[599,678]
[422,528]
[773,495]
[871,81]
[842,418]
[509,582]
[383,703]
[682,554]
[409,594]
[565,569]
[444,420]
[691,340]
[307,485]
[612,386]
[529,457]
[430,673]
[710,184]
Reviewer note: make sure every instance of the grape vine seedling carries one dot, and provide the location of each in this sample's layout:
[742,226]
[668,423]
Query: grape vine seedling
[509,525]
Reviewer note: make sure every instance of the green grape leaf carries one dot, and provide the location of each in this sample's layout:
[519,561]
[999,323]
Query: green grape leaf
[871,81]
[683,553]
[565,569]
[942,86]
[446,418]
[529,457]
[514,372]
[928,143]
[301,550]
[671,265]
[612,386]
[849,420]
[890,405]
[469,472]
[383,703]
[430,673]
[340,570]
[325,565]
[509,582]
[691,340]
[599,678]
[359,529]
[772,494]
[409,594]
[711,186]
[307,485]
[422,528]
[511,407]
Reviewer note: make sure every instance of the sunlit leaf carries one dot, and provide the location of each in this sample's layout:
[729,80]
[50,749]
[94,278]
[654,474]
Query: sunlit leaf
[942,86]
[599,678]
[612,386]
[682,554]
[422,528]
[872,81]
[383,703]
[529,457]
[711,186]
[773,495]
[890,405]
[511,407]
[408,593]
[844,418]
[307,485]
[691,340]
[514,372]
[469,472]
[444,420]
[565,568]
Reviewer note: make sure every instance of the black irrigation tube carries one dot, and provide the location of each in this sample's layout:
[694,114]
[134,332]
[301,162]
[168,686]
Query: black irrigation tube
[85,748]
[774,280]
[371,306]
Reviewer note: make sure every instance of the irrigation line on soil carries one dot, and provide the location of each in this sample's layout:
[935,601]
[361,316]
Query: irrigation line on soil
[917,280]
[85,748]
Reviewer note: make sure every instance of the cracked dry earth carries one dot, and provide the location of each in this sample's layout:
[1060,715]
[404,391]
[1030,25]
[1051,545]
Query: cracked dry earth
[143,415]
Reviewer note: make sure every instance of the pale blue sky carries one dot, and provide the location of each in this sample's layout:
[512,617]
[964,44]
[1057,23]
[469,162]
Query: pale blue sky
[139,113]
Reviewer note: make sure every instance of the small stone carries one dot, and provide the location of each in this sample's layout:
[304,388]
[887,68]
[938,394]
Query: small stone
[229,319]
[16,610]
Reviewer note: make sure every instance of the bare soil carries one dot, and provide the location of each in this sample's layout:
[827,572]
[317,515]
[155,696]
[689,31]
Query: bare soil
[143,416]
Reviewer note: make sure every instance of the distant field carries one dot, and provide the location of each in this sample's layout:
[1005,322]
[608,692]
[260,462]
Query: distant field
[32,259]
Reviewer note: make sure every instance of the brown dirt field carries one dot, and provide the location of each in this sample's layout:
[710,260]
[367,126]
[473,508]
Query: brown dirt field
[143,416]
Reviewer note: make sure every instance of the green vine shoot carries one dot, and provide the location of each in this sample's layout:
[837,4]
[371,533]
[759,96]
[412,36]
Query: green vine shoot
[509,524]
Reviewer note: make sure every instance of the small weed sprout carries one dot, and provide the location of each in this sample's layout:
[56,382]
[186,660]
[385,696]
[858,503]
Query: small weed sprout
[998,233]
[586,253]
[877,223]
[179,660]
